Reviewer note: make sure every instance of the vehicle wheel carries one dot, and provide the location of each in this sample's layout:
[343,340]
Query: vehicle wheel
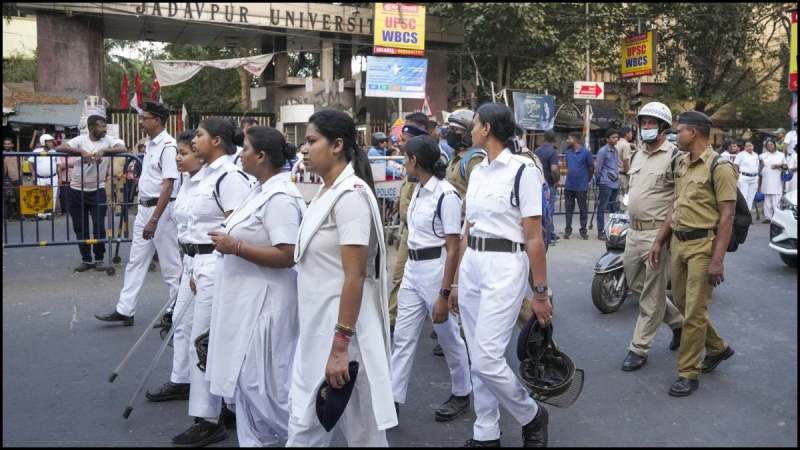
[789,260]
[116,260]
[110,271]
[605,294]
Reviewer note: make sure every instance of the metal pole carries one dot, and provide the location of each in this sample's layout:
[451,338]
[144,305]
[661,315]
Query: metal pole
[586,123]
[639,79]
[492,85]
[124,361]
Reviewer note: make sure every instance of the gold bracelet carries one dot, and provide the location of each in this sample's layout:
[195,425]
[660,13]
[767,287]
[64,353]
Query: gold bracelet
[345,330]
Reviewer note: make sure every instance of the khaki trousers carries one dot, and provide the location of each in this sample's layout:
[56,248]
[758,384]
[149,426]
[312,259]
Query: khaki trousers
[397,274]
[651,284]
[691,290]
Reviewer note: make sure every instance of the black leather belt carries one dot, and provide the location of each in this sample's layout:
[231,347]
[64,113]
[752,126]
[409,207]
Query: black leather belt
[690,235]
[46,176]
[150,201]
[494,245]
[196,249]
[750,174]
[425,254]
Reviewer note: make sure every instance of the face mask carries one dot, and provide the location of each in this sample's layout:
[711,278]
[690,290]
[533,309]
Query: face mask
[454,140]
[648,135]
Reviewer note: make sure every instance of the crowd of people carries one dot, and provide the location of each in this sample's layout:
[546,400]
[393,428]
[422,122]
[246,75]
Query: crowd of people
[278,306]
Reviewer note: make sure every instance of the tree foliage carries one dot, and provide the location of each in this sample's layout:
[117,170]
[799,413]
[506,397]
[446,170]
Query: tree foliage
[18,68]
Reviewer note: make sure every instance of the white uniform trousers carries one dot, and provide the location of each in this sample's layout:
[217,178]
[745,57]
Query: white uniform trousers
[749,187]
[491,289]
[262,418]
[357,422]
[418,292]
[165,242]
[202,403]
[771,202]
[183,329]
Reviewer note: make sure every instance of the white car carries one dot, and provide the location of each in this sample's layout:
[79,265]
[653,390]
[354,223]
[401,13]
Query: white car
[783,229]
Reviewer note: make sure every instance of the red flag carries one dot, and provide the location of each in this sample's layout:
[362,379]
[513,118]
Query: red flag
[154,90]
[180,120]
[139,95]
[124,96]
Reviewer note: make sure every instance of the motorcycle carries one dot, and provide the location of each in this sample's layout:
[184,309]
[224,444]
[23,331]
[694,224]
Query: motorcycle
[609,287]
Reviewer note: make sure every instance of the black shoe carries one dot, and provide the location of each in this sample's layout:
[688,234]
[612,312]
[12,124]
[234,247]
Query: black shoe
[602,237]
[683,387]
[555,239]
[84,266]
[169,391]
[227,418]
[675,343]
[433,335]
[567,234]
[534,434]
[633,362]
[438,350]
[200,434]
[710,362]
[99,266]
[584,235]
[116,317]
[452,408]
[474,443]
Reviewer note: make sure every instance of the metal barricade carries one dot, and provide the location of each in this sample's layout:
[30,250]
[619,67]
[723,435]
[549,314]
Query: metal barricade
[29,203]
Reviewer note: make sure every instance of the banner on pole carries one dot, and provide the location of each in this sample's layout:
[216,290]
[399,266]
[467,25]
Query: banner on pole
[399,29]
[396,77]
[793,55]
[533,111]
[638,57]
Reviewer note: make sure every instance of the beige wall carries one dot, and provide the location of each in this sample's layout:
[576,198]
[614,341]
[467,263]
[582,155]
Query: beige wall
[19,36]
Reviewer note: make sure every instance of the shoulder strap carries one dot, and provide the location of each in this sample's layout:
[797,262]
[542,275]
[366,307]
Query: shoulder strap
[439,210]
[674,160]
[161,156]
[515,192]
[216,187]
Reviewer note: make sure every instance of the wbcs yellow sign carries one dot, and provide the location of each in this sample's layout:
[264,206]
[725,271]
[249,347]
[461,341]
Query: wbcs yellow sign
[35,199]
[638,55]
[793,53]
[399,29]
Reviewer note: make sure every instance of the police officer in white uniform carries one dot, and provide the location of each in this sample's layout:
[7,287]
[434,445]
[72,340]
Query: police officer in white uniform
[434,219]
[45,167]
[254,318]
[502,244]
[188,164]
[221,189]
[154,229]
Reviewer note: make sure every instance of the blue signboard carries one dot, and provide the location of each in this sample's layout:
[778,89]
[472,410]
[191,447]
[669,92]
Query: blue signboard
[534,112]
[396,77]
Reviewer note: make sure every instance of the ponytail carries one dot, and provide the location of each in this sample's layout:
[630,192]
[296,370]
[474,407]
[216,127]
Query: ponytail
[361,166]
[440,169]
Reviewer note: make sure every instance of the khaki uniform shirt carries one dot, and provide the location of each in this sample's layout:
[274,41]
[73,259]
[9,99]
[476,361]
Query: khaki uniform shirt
[406,192]
[624,149]
[652,187]
[453,174]
[696,202]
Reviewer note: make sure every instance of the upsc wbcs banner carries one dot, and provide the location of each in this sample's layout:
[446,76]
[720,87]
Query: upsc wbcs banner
[638,56]
[399,29]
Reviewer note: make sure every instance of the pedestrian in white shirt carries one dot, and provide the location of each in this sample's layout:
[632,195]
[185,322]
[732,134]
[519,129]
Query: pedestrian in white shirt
[188,164]
[502,236]
[86,196]
[747,164]
[254,319]
[342,301]
[434,226]
[221,189]
[771,185]
[790,141]
[45,168]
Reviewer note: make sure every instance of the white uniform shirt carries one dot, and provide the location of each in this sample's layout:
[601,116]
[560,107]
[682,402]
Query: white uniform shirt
[237,157]
[89,178]
[182,211]
[747,162]
[489,210]
[727,155]
[158,164]
[207,209]
[46,166]
[791,160]
[790,142]
[771,178]
[422,218]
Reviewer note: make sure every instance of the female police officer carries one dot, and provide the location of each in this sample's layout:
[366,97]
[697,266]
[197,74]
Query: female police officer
[434,219]
[502,243]
[342,307]
[220,189]
[254,319]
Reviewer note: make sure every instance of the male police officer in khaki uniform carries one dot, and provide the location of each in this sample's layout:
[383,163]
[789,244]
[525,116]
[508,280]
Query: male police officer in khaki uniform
[649,198]
[701,224]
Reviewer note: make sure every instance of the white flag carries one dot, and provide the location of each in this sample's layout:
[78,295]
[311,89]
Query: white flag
[135,106]
[185,116]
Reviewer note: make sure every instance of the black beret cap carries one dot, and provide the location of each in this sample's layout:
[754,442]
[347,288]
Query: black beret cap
[694,118]
[332,402]
[156,109]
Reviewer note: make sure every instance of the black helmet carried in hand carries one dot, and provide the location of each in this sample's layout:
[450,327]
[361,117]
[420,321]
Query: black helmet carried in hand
[549,374]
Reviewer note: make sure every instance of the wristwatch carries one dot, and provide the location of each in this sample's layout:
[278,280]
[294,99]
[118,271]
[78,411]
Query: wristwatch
[444,292]
[540,289]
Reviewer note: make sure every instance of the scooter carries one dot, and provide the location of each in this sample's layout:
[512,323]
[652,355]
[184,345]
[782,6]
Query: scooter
[609,287]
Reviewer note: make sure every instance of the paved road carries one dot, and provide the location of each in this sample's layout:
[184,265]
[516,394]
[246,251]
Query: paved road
[57,358]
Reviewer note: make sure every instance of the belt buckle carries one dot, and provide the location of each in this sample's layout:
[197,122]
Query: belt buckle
[482,244]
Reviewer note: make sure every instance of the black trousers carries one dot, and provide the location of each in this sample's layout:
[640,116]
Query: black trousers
[94,207]
[569,208]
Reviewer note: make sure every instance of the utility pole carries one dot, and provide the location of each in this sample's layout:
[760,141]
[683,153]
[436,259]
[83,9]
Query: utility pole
[638,84]
[586,121]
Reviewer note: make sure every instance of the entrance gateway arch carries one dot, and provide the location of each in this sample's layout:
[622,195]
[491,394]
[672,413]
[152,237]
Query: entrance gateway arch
[70,45]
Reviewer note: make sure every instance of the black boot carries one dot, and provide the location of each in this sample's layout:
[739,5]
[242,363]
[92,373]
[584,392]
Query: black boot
[200,434]
[452,408]
[116,317]
[474,443]
[534,434]
[169,391]
[633,362]
[710,362]
[683,387]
